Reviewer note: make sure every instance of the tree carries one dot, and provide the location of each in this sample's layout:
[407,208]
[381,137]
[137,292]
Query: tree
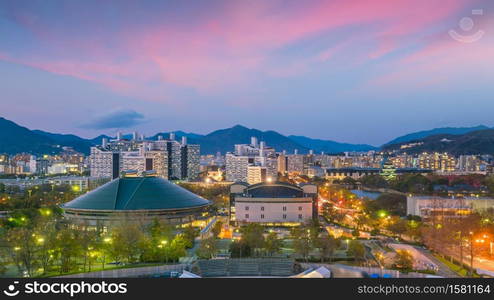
[128,241]
[403,260]
[207,248]
[23,248]
[190,233]
[3,260]
[68,249]
[356,250]
[302,244]
[327,245]
[253,235]
[272,244]
[391,202]
[374,181]
[413,229]
[177,248]
[239,249]
[88,240]
[489,182]
[349,181]
[397,226]
[216,230]
[46,232]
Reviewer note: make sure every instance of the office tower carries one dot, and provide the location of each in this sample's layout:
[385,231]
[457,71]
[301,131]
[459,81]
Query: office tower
[190,161]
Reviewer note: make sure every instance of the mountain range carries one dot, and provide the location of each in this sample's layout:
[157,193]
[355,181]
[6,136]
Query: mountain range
[474,142]
[435,131]
[17,139]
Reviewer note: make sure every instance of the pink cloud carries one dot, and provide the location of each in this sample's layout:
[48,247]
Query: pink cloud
[227,47]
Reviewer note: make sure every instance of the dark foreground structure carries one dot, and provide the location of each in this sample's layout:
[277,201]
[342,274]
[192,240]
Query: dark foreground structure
[246,267]
[140,199]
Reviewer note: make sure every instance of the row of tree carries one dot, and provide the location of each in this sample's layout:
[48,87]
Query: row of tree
[45,244]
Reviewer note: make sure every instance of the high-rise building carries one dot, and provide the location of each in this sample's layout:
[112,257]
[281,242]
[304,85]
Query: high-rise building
[256,174]
[253,154]
[282,164]
[236,167]
[168,158]
[42,165]
[295,163]
[190,161]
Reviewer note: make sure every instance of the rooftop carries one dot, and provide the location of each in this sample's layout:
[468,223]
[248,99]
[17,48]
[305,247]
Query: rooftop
[137,193]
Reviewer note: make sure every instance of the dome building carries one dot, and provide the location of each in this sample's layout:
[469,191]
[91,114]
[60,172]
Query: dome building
[273,203]
[135,198]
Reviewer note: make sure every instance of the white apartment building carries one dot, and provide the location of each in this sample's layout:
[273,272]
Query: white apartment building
[236,167]
[256,174]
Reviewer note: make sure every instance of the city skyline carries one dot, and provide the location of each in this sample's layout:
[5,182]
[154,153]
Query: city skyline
[332,68]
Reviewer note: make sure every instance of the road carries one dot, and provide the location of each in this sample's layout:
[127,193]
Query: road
[478,263]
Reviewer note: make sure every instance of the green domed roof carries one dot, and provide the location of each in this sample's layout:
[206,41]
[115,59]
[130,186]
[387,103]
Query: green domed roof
[137,193]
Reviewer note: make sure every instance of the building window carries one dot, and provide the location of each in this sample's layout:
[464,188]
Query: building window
[262,216]
[300,216]
[246,208]
[300,208]
[262,208]
[284,216]
[284,208]
[246,216]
